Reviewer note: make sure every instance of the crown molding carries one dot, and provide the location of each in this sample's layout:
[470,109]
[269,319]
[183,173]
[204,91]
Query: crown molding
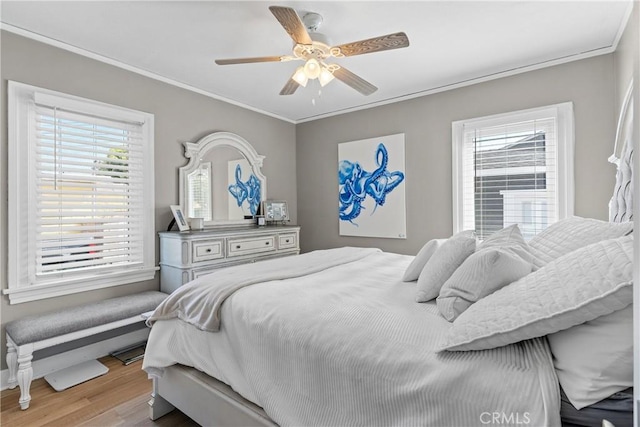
[418,94]
[470,82]
[92,55]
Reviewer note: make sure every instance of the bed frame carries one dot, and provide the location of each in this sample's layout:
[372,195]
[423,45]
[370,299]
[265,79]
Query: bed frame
[204,399]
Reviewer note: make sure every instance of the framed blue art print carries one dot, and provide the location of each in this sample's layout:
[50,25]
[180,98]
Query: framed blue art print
[371,187]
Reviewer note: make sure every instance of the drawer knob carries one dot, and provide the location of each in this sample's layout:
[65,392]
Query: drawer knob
[286,241]
[266,243]
[237,246]
[209,250]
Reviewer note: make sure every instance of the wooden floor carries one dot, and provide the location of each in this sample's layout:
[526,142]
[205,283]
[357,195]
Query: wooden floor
[118,398]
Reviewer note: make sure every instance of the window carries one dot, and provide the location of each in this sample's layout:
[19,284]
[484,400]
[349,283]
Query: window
[514,168]
[81,206]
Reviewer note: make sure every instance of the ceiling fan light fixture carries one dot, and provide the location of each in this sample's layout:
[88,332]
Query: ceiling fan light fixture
[314,49]
[300,77]
[325,76]
[312,68]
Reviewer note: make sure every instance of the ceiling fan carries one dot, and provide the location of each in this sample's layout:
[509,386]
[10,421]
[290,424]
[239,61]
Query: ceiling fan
[314,49]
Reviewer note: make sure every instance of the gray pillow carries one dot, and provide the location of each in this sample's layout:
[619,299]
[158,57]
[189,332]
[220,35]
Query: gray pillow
[500,259]
[446,259]
[413,271]
[570,234]
[581,286]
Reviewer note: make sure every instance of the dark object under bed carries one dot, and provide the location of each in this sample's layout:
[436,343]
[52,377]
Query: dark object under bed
[617,409]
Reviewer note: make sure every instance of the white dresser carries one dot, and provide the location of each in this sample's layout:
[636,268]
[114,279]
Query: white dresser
[185,256]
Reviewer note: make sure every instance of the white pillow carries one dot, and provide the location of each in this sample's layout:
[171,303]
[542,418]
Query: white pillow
[446,259]
[595,359]
[500,259]
[413,271]
[588,283]
[573,233]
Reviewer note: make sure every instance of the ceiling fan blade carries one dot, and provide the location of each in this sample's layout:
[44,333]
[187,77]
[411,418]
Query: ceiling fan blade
[290,87]
[291,22]
[249,60]
[376,44]
[356,82]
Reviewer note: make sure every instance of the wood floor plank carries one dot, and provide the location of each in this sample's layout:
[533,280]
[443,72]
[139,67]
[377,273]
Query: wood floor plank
[118,398]
[109,418]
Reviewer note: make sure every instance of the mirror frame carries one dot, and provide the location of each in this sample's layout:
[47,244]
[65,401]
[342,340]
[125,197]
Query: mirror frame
[196,151]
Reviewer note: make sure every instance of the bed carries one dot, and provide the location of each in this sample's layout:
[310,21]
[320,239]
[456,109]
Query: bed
[296,346]
[335,337]
[502,332]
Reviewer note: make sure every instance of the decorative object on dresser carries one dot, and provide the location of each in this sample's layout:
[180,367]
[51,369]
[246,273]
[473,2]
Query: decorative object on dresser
[179,217]
[196,223]
[187,256]
[276,211]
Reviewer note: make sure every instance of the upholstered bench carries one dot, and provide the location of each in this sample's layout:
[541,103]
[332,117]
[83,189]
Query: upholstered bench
[26,335]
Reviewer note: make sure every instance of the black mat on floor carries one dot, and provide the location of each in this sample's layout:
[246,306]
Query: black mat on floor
[130,354]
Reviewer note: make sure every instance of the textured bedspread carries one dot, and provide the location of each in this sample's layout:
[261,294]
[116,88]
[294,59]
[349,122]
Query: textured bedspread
[199,301]
[349,346]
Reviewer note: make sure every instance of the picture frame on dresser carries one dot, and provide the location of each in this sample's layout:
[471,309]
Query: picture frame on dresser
[178,215]
[275,210]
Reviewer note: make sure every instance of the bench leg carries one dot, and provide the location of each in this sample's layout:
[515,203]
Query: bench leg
[12,364]
[25,374]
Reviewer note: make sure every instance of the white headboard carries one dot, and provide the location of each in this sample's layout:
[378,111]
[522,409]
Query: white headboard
[621,203]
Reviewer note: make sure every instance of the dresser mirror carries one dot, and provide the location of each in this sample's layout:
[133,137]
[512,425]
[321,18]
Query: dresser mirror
[222,182]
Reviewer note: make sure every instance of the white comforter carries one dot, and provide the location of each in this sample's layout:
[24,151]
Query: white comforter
[349,346]
[199,303]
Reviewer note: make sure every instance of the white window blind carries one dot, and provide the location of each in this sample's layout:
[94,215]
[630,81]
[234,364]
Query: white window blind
[507,171]
[81,210]
[88,192]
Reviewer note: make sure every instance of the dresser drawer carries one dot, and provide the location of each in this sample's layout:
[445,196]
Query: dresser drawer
[206,250]
[286,241]
[203,271]
[185,256]
[238,247]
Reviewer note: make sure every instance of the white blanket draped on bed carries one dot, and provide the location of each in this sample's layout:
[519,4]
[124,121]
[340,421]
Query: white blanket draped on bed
[349,346]
[199,301]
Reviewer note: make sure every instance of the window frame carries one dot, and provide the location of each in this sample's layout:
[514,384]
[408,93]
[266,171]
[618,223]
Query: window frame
[562,112]
[21,200]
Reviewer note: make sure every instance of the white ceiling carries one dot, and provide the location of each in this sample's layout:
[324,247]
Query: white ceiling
[452,43]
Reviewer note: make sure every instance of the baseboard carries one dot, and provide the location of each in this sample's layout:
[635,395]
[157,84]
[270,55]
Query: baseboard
[56,362]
